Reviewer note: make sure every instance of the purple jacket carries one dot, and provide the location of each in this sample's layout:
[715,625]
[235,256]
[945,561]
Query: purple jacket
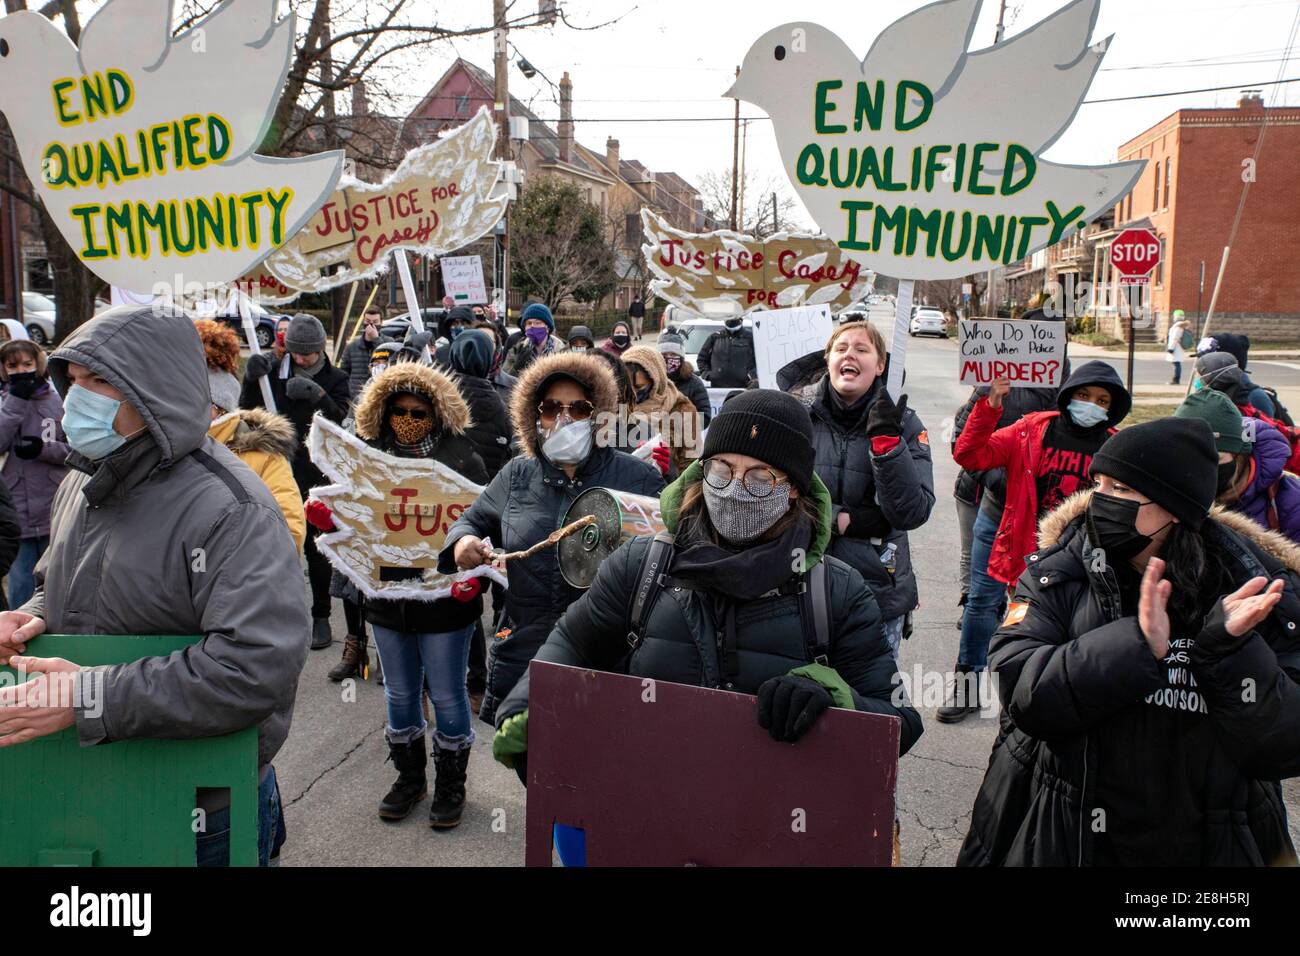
[33,482]
[1271,453]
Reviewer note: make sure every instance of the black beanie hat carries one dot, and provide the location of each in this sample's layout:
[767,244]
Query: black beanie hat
[771,426]
[1172,461]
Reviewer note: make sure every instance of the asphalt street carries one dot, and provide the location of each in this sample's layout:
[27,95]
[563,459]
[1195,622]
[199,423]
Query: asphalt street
[332,769]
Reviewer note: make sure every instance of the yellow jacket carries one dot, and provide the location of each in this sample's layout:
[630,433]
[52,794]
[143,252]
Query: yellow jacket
[265,442]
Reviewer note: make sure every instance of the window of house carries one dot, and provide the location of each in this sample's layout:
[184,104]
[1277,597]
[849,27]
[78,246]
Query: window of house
[1155,198]
[633,228]
[1160,266]
[1168,167]
[462,105]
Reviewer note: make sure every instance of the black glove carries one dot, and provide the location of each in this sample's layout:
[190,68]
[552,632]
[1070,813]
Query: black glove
[788,706]
[259,365]
[23,384]
[886,418]
[301,389]
[28,447]
[867,521]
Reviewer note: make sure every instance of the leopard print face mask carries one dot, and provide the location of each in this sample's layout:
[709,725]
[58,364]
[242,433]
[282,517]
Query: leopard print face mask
[410,430]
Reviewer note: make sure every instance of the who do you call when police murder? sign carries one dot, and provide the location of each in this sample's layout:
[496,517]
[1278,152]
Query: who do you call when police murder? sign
[1029,352]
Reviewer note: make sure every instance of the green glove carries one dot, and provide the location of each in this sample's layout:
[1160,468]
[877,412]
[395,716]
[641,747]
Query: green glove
[828,678]
[512,739]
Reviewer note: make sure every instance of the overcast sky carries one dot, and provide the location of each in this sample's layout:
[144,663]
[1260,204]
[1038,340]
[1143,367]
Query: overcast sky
[673,59]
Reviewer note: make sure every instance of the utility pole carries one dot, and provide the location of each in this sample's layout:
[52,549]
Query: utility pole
[776,224]
[735,159]
[744,147]
[988,308]
[501,70]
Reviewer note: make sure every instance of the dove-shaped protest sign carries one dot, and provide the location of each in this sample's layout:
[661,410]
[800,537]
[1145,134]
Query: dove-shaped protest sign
[141,144]
[923,160]
[439,199]
[391,516]
[725,274]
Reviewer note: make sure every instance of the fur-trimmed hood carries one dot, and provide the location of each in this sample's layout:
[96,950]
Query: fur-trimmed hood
[1054,523]
[449,407]
[590,372]
[255,429]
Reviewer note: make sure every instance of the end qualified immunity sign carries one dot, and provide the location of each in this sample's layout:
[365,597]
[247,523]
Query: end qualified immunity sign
[1030,353]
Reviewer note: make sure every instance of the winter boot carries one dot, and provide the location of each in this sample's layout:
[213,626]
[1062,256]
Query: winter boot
[411,785]
[355,659]
[964,699]
[448,787]
[321,635]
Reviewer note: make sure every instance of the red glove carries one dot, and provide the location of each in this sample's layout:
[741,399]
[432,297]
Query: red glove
[466,590]
[662,457]
[319,515]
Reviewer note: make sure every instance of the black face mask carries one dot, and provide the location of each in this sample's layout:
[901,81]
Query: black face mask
[1227,471]
[24,381]
[1112,525]
[621,340]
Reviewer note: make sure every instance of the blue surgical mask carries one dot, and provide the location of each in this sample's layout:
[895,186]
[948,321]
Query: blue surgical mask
[1086,414]
[88,422]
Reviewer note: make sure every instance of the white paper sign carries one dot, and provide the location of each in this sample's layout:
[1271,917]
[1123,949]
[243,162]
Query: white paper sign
[141,144]
[462,277]
[1031,354]
[783,335]
[923,160]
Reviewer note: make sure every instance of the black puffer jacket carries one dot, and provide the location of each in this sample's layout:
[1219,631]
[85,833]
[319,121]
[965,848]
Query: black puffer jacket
[680,643]
[1075,677]
[333,405]
[525,502]
[693,387]
[727,359]
[899,485]
[355,363]
[489,429]
[454,449]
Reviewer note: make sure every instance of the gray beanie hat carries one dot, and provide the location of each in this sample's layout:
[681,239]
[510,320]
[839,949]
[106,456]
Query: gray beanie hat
[224,389]
[671,342]
[1219,371]
[305,335]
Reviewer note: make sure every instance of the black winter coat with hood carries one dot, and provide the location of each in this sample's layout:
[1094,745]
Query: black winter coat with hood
[680,636]
[727,359]
[489,428]
[693,387]
[355,363]
[1077,682]
[898,488]
[453,449]
[526,501]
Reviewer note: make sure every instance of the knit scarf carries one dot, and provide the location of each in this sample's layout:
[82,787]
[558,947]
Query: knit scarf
[740,574]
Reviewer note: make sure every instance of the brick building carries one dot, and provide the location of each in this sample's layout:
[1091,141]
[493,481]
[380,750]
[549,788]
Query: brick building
[1189,193]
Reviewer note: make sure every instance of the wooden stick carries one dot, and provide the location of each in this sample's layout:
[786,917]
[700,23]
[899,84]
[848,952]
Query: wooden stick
[551,540]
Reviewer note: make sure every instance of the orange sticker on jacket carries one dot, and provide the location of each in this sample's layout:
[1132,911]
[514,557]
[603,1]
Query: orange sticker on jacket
[924,438]
[1016,612]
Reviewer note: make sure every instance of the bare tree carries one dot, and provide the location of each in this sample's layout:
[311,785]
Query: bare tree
[760,221]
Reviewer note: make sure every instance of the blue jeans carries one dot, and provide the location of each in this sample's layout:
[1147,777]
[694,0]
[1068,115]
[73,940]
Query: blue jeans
[986,596]
[214,845]
[22,581]
[436,662]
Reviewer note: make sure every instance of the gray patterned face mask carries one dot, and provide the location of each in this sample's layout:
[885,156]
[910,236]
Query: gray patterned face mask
[740,517]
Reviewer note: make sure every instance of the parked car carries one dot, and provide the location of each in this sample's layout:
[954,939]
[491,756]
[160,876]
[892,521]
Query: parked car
[396,327]
[928,321]
[39,317]
[264,322]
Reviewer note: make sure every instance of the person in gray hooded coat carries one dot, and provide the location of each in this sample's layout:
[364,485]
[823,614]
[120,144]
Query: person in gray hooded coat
[150,492]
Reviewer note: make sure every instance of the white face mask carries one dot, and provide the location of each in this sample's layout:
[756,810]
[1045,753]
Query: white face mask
[567,444]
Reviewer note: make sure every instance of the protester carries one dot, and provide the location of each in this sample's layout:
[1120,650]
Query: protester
[31,436]
[874,457]
[618,435]
[263,441]
[682,374]
[636,315]
[313,385]
[1245,392]
[538,339]
[1177,342]
[727,357]
[450,326]
[663,411]
[13,331]
[1253,457]
[620,339]
[1148,673]
[552,410]
[1046,456]
[414,411]
[503,383]
[580,339]
[355,363]
[278,348]
[1222,372]
[737,517]
[150,489]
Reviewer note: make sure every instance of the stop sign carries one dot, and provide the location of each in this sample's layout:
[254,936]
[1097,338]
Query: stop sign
[1134,254]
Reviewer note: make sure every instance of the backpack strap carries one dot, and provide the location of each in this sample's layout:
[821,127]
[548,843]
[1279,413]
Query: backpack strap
[817,596]
[654,566]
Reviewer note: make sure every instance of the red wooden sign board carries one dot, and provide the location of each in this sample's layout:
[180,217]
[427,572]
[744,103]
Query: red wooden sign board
[661,774]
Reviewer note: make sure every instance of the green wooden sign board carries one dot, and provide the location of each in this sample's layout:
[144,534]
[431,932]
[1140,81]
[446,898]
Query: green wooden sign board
[126,803]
